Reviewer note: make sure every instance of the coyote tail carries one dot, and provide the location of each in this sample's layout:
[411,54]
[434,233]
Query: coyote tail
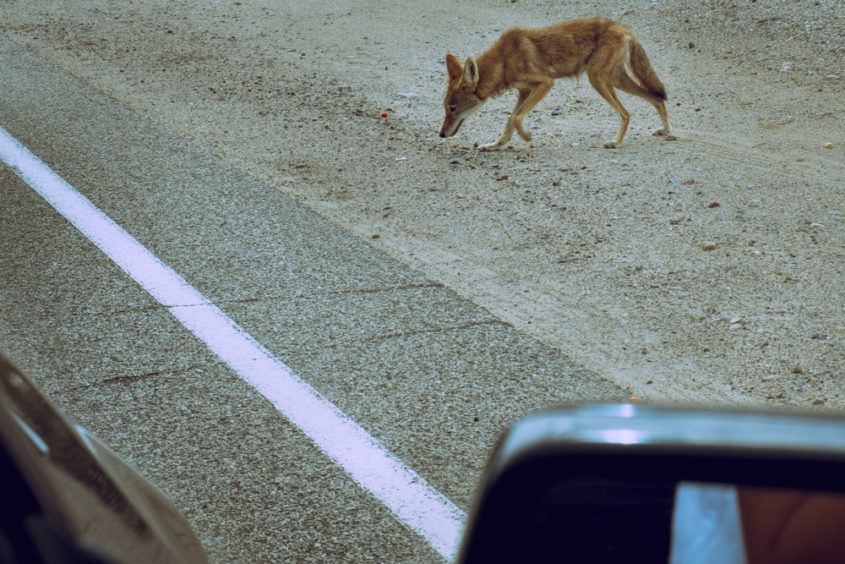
[643,72]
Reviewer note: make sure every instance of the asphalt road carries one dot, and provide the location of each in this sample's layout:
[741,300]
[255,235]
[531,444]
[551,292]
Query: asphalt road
[432,377]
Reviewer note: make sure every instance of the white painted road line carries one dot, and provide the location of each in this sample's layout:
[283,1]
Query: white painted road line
[416,503]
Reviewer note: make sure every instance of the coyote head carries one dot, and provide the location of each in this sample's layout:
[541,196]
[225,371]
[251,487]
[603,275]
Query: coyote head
[461,98]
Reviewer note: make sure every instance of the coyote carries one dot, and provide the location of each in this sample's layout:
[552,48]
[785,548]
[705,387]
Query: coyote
[531,59]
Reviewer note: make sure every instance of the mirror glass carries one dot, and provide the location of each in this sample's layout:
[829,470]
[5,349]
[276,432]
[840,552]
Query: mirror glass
[592,520]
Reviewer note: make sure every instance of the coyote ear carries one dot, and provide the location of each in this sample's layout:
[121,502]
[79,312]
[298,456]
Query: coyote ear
[470,73]
[453,66]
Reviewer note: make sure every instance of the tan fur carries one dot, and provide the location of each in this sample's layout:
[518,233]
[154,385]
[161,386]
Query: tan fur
[530,60]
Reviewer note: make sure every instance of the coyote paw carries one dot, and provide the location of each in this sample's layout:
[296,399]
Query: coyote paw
[524,134]
[491,146]
[611,145]
[665,134]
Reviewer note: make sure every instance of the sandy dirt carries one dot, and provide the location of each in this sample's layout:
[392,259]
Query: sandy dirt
[707,269]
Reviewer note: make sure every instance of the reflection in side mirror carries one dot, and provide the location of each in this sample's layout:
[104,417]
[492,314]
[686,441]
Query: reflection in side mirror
[706,525]
[792,525]
[720,523]
[643,484]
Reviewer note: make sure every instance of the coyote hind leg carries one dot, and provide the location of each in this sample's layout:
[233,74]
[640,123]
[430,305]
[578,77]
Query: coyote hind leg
[604,87]
[626,84]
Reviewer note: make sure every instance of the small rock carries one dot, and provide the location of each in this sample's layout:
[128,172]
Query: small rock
[709,246]
[828,145]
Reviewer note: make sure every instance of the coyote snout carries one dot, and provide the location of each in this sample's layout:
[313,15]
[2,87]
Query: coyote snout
[531,59]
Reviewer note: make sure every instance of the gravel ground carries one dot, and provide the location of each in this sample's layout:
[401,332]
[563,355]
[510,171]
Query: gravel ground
[708,269]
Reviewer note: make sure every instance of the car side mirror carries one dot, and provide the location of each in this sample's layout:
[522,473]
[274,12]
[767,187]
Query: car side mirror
[634,483]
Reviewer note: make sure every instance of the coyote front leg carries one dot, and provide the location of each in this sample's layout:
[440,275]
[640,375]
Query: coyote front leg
[528,98]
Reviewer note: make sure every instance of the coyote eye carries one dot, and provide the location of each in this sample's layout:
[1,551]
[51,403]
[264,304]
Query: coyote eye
[453,109]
